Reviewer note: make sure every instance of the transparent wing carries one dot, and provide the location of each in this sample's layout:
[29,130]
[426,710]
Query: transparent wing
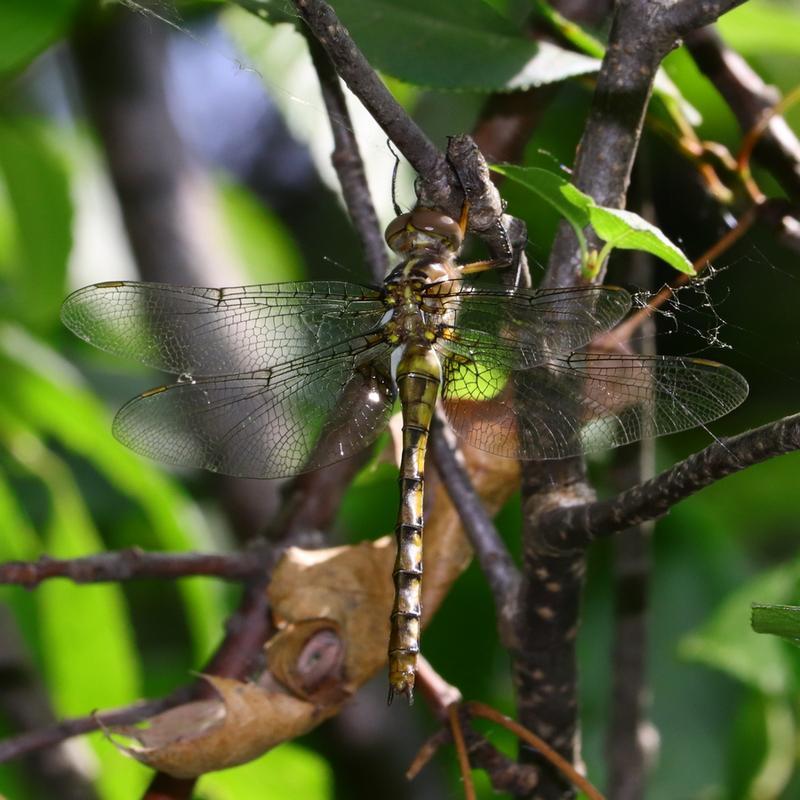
[584,402]
[520,328]
[296,417]
[195,331]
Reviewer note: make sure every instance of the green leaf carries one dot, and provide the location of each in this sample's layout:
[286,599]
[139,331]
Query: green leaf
[762,749]
[727,643]
[286,773]
[628,231]
[85,630]
[43,387]
[783,621]
[28,26]
[555,189]
[456,45]
[38,191]
[19,541]
[618,228]
[86,639]
[779,746]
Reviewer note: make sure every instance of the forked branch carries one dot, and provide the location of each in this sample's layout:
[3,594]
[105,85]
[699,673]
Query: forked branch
[573,528]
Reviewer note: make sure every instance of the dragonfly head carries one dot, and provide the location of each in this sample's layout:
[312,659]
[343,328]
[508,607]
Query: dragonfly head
[424,229]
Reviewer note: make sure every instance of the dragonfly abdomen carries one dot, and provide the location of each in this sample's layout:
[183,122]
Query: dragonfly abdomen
[418,378]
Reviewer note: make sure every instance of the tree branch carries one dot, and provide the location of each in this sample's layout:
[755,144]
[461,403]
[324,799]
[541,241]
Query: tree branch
[134,564]
[642,34]
[358,74]
[573,528]
[627,754]
[348,164]
[547,619]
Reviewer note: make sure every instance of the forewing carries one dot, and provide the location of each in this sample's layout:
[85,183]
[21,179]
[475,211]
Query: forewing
[584,402]
[521,328]
[204,332]
[297,417]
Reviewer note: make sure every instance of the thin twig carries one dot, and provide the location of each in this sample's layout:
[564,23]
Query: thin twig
[759,130]
[428,750]
[478,709]
[625,331]
[750,99]
[31,741]
[134,564]
[573,528]
[493,557]
[348,164]
[461,751]
[358,74]
[504,774]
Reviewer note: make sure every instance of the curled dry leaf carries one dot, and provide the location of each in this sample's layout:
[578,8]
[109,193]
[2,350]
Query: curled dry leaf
[239,725]
[332,607]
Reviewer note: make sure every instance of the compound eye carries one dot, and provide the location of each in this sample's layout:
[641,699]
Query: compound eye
[437,223]
[396,226]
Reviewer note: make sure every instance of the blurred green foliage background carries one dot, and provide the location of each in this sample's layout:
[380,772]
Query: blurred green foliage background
[724,699]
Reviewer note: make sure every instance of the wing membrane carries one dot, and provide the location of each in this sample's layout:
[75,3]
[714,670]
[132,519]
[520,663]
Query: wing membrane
[521,328]
[196,331]
[297,417]
[584,402]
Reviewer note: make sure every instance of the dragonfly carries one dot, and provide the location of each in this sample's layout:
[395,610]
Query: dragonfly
[277,379]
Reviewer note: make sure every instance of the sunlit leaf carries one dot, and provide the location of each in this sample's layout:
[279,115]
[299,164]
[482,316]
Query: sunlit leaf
[288,772]
[19,541]
[38,192]
[76,621]
[628,231]
[554,188]
[618,228]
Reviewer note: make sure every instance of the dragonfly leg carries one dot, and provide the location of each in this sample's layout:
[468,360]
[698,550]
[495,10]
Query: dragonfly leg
[483,266]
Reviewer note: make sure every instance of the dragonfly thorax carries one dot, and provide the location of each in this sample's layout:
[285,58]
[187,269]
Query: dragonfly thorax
[412,288]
